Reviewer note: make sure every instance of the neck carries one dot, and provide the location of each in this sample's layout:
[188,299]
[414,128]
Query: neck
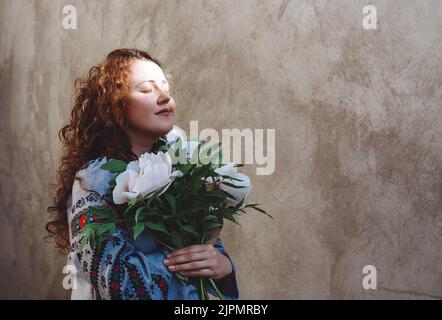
[142,142]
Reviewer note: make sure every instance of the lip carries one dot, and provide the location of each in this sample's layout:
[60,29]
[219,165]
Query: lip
[164,112]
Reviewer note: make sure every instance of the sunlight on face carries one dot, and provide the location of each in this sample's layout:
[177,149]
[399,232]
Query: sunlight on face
[149,94]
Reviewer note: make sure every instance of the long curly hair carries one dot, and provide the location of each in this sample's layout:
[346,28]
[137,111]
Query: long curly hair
[96,129]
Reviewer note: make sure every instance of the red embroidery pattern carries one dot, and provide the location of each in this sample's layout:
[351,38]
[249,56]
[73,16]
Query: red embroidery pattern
[83,218]
[95,267]
[137,282]
[162,284]
[115,280]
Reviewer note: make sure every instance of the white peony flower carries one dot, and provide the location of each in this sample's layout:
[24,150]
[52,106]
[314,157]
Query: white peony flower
[239,193]
[149,173]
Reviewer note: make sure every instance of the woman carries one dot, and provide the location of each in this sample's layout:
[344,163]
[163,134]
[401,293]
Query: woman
[121,110]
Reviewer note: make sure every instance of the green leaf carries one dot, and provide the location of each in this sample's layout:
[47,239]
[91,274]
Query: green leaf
[101,213]
[212,225]
[155,193]
[195,155]
[211,218]
[126,211]
[229,215]
[92,238]
[114,165]
[216,193]
[171,200]
[213,153]
[156,226]
[105,228]
[254,206]
[196,184]
[239,205]
[193,210]
[83,242]
[208,236]
[177,241]
[185,168]
[189,229]
[134,201]
[138,229]
[138,212]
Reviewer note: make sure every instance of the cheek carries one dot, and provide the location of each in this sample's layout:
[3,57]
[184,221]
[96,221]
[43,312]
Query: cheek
[140,106]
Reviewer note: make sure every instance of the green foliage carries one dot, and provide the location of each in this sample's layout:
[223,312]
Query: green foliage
[114,165]
[176,215]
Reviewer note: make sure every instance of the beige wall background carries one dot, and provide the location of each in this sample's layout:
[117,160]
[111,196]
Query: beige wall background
[357,114]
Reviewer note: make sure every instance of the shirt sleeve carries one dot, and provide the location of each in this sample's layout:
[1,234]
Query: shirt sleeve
[116,269]
[228,285]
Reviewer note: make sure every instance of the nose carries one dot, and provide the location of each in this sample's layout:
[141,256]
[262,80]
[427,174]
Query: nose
[164,96]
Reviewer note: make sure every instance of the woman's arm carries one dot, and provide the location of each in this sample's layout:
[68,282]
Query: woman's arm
[115,270]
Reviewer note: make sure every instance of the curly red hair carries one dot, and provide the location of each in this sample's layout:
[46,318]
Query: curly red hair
[96,129]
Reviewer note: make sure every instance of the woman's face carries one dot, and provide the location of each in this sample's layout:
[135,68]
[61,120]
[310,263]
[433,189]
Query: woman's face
[149,106]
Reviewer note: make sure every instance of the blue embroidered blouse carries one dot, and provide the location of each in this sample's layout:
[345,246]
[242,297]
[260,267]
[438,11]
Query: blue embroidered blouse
[123,268]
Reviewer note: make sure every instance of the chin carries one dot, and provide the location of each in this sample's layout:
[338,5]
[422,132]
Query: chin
[164,129]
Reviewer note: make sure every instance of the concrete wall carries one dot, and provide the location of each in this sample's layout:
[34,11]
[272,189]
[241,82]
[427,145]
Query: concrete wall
[358,121]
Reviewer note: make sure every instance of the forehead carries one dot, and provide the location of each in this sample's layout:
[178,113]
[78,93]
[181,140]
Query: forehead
[143,70]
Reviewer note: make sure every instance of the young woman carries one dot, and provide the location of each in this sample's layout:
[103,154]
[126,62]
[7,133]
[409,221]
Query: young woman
[121,110]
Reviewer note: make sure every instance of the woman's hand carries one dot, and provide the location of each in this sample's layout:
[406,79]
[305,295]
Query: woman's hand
[199,260]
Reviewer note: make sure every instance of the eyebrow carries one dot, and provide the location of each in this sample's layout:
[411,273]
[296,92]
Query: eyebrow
[153,81]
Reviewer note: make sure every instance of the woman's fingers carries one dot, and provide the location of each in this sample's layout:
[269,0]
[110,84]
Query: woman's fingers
[189,260]
[194,265]
[202,272]
[199,260]
[189,249]
[188,257]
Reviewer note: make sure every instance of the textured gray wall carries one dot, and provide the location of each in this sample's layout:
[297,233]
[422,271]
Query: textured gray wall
[358,124]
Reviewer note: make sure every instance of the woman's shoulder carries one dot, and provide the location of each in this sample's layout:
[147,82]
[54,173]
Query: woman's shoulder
[95,178]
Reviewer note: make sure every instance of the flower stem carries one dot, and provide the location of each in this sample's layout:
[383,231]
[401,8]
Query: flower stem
[221,297]
[202,293]
[162,243]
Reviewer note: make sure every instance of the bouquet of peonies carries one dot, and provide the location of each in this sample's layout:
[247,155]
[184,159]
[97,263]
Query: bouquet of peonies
[180,194]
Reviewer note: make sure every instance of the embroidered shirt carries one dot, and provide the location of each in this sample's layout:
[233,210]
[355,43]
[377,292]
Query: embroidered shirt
[122,268]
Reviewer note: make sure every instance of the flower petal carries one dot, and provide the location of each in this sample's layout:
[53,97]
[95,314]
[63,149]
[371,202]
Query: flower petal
[227,170]
[239,193]
[122,185]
